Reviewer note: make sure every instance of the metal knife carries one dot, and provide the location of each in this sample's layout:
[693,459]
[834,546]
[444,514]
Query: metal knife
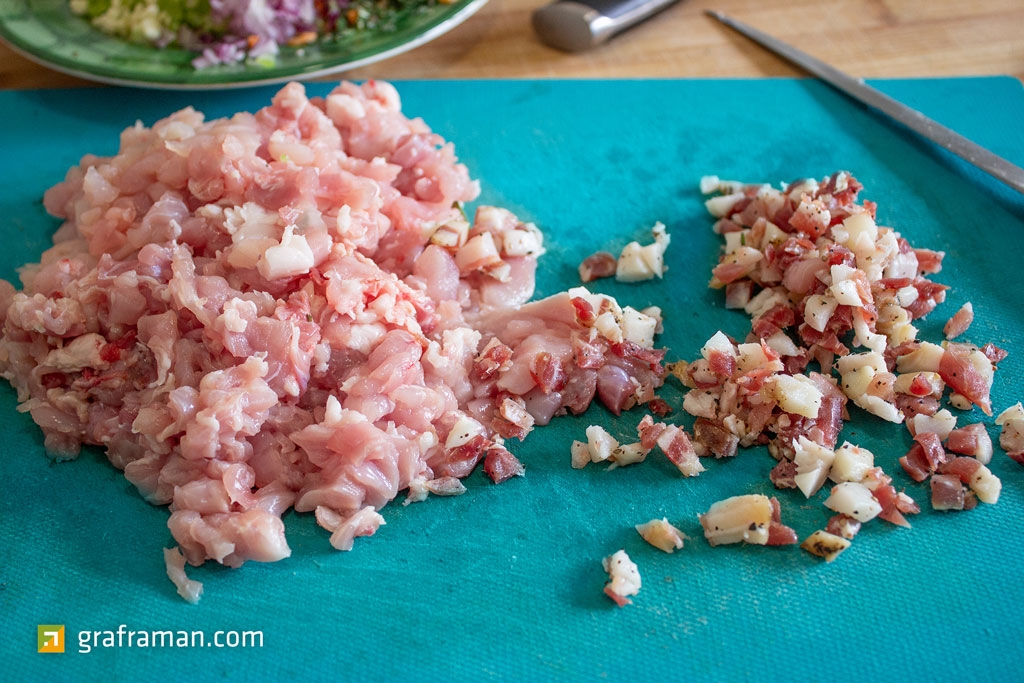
[575,25]
[856,88]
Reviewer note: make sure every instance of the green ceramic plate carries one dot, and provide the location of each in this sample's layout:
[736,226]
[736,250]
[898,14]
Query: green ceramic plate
[47,32]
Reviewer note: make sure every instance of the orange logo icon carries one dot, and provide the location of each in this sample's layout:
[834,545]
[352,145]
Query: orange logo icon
[51,637]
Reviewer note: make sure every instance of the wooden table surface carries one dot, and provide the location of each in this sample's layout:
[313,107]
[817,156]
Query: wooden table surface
[866,38]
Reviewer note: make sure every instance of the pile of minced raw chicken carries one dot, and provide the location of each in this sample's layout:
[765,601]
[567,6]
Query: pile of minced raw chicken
[289,309]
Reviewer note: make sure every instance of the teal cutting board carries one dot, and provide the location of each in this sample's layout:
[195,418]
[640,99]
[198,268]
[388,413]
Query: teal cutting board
[505,582]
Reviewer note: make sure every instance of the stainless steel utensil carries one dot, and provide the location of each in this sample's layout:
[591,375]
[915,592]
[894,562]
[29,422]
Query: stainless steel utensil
[575,25]
[856,88]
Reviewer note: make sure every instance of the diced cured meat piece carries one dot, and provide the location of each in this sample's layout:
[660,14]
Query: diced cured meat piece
[973,440]
[677,447]
[662,535]
[659,407]
[738,519]
[994,353]
[495,358]
[915,463]
[968,372]
[959,322]
[947,492]
[825,284]
[854,499]
[623,578]
[648,430]
[928,260]
[587,354]
[783,474]
[779,533]
[825,545]
[500,465]
[843,525]
[714,439]
[462,459]
[888,498]
[1011,431]
[548,373]
[932,449]
[598,265]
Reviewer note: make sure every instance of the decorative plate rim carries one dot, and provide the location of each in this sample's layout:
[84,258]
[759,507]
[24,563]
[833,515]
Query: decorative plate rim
[440,20]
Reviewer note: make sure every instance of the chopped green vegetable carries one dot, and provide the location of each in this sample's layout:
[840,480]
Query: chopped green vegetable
[212,31]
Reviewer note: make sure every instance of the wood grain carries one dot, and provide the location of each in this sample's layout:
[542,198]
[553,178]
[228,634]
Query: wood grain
[867,38]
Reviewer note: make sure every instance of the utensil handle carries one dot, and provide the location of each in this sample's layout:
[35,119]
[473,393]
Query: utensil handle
[575,25]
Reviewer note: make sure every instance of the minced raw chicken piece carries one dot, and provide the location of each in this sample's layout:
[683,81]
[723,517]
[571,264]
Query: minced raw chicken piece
[189,589]
[288,309]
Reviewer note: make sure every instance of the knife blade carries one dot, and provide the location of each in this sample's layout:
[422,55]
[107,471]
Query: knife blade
[856,88]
